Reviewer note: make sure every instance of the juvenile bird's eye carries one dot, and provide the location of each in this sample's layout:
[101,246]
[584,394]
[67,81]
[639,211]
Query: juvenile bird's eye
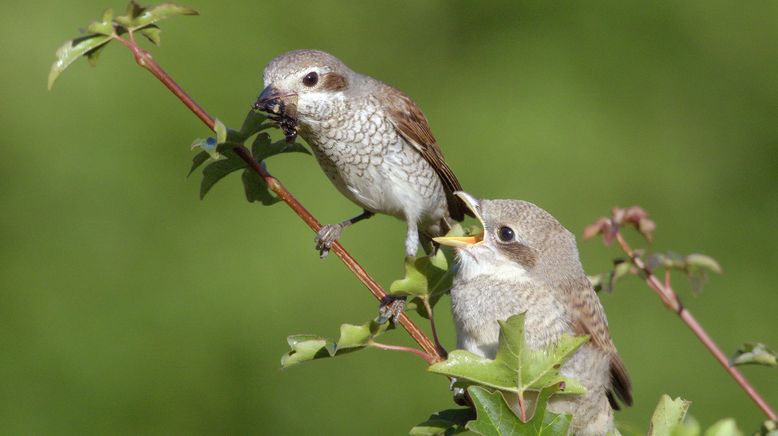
[310,79]
[505,234]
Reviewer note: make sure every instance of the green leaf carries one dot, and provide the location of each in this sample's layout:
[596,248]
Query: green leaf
[689,427]
[161,12]
[755,353]
[138,16]
[446,422]
[667,415]
[423,275]
[93,55]
[515,368]
[724,427]
[352,338]
[153,33]
[105,26]
[495,418]
[130,14]
[217,170]
[546,422]
[253,123]
[305,348]
[262,148]
[703,261]
[606,282]
[72,50]
[198,160]
[227,161]
[769,428]
[256,189]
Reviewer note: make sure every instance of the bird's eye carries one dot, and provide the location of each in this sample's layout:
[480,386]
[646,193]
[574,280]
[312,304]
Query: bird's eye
[505,234]
[310,79]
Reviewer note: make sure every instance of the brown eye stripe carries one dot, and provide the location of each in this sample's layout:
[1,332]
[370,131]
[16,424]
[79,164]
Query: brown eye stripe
[519,253]
[333,82]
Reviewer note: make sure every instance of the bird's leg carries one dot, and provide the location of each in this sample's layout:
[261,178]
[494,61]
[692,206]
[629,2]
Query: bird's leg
[329,233]
[392,305]
[412,238]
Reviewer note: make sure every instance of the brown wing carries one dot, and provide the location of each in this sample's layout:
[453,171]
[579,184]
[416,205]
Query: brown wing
[591,321]
[412,125]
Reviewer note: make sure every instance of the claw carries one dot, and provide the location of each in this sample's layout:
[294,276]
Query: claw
[391,308]
[326,236]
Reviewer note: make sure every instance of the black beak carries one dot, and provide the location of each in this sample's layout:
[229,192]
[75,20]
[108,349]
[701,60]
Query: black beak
[270,101]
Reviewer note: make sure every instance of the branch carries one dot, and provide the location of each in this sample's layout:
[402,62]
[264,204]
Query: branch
[672,302]
[145,60]
[429,359]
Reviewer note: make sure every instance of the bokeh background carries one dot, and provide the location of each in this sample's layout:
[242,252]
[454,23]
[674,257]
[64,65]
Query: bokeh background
[129,306]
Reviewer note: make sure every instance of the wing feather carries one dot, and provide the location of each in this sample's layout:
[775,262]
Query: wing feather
[591,321]
[410,122]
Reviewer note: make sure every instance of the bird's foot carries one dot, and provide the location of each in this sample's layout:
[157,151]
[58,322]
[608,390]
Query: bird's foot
[391,308]
[326,236]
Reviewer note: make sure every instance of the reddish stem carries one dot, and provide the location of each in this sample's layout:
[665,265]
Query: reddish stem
[429,359]
[434,330]
[671,300]
[144,59]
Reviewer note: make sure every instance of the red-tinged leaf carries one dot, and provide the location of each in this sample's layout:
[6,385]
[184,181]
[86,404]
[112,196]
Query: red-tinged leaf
[617,214]
[646,228]
[609,233]
[634,214]
[596,228]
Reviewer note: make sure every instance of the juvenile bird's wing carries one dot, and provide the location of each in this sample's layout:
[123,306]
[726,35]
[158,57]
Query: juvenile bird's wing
[410,122]
[591,321]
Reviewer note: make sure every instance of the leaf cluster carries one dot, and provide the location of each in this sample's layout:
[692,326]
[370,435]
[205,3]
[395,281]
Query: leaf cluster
[694,266]
[670,419]
[222,157]
[136,20]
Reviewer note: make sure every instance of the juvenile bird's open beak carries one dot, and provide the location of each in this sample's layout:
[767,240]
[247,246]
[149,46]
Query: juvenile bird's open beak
[271,100]
[464,241]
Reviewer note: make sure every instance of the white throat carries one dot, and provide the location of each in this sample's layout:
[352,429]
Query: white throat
[490,263]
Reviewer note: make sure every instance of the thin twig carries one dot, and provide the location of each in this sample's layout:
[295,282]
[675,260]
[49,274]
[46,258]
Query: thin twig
[144,59]
[429,359]
[671,300]
[431,315]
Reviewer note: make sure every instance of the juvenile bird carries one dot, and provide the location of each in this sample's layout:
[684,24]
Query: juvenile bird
[371,140]
[526,261]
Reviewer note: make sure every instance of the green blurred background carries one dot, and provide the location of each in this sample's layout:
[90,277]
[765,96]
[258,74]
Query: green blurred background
[131,307]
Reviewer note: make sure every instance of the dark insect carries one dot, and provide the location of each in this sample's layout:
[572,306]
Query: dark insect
[276,111]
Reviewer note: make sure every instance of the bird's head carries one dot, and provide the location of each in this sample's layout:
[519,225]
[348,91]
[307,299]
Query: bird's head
[300,84]
[520,241]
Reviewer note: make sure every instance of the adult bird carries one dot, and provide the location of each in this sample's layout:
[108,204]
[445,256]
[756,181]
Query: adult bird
[372,141]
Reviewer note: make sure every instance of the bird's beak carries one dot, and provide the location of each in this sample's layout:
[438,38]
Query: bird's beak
[273,101]
[465,241]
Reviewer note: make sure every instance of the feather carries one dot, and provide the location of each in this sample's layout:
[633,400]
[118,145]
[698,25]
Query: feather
[410,122]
